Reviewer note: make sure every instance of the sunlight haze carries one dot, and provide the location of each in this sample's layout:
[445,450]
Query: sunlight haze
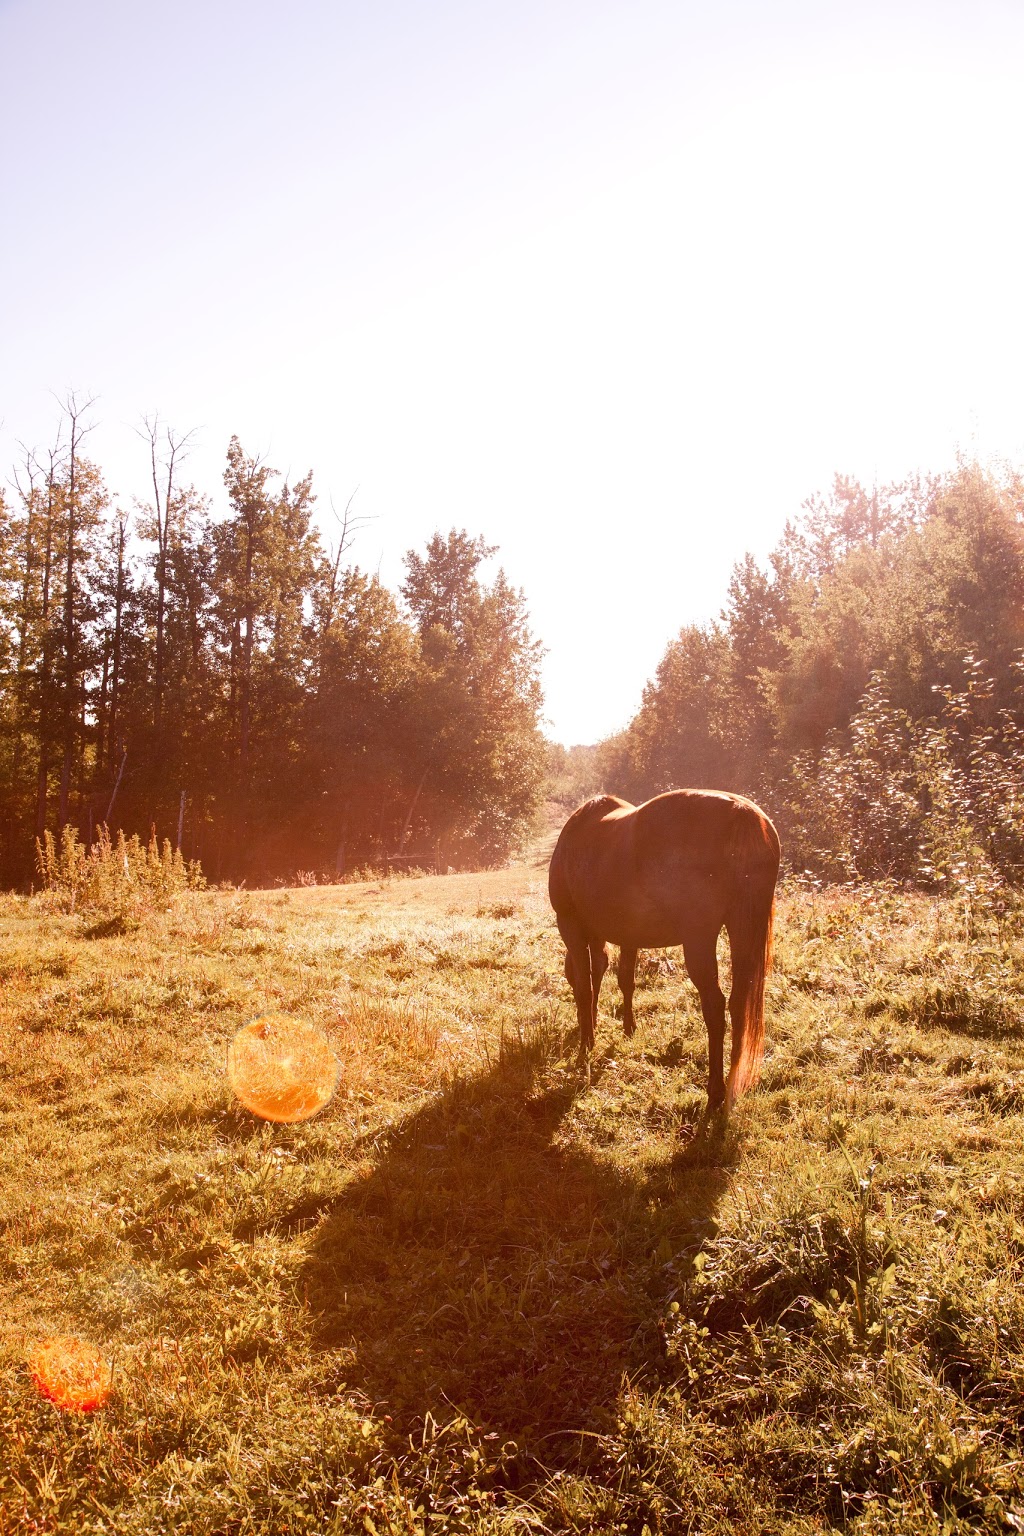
[616,286]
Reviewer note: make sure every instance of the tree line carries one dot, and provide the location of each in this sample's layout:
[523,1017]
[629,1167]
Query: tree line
[865,686]
[223,674]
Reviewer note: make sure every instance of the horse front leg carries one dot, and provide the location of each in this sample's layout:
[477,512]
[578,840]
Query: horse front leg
[626,972]
[577,974]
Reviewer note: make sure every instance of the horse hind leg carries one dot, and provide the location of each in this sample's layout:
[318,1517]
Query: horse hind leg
[702,964]
[626,973]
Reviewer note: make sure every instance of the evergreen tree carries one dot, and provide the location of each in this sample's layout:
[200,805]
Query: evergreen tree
[360,754]
[265,562]
[478,710]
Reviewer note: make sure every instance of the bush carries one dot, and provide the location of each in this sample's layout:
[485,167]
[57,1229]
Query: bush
[939,802]
[123,878]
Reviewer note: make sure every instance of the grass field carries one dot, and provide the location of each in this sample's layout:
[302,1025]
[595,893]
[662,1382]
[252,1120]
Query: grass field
[479,1293]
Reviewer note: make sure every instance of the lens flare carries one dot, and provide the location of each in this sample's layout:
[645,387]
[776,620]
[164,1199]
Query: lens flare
[71,1373]
[282,1068]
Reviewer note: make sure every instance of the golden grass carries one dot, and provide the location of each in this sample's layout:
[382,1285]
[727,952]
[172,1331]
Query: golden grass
[477,1292]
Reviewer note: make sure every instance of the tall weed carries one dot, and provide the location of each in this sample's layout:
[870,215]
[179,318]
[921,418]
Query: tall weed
[119,878]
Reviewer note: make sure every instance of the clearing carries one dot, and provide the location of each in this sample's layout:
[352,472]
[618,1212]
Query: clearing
[478,1293]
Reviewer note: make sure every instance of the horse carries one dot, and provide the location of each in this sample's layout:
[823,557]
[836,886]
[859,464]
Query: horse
[675,870]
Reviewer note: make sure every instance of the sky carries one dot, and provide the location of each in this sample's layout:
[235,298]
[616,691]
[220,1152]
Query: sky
[615,285]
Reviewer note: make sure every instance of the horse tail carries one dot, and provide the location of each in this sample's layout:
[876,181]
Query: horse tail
[750,938]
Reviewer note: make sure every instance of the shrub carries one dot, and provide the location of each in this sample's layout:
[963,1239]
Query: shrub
[939,802]
[123,878]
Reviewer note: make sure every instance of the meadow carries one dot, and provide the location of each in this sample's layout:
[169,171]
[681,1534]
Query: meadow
[481,1292]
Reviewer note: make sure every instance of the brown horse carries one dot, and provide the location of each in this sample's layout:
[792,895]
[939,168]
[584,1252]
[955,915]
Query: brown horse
[675,870]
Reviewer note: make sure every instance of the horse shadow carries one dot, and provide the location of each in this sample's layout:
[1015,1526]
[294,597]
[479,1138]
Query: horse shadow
[507,1255]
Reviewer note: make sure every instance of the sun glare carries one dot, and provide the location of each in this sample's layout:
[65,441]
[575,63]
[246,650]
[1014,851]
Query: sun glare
[282,1068]
[71,1373]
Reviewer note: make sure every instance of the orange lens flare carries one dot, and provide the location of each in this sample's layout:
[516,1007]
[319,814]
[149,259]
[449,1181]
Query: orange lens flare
[282,1068]
[71,1374]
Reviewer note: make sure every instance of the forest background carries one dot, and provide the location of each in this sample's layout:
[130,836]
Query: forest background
[225,679]
[220,676]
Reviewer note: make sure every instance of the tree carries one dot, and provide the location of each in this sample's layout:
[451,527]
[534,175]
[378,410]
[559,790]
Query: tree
[760,620]
[164,523]
[683,733]
[14,578]
[479,704]
[822,689]
[849,517]
[266,557]
[82,501]
[36,621]
[357,732]
[118,612]
[441,588]
[176,712]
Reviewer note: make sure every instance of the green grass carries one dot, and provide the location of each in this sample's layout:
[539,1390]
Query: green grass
[479,1293]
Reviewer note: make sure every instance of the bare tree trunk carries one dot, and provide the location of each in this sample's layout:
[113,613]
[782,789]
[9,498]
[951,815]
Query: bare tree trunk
[117,786]
[102,734]
[69,622]
[115,679]
[347,529]
[339,856]
[28,497]
[45,680]
[79,758]
[164,509]
[42,782]
[248,637]
[407,826]
[65,783]
[74,412]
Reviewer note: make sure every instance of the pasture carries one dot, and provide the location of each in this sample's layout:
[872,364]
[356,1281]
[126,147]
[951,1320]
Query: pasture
[479,1293]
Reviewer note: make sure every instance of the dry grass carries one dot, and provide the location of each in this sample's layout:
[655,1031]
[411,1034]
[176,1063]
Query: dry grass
[478,1293]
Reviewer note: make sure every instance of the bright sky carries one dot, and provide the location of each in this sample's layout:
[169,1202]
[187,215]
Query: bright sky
[616,285]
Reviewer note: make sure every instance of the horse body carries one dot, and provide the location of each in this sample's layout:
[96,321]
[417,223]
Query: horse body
[675,870]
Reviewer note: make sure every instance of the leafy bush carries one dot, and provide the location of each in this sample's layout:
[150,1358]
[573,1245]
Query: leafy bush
[122,878]
[937,801]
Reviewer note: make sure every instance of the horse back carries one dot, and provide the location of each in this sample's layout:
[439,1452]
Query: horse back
[705,828]
[646,874]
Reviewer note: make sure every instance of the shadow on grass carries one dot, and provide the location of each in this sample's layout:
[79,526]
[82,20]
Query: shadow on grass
[493,1263]
[230,1122]
[115,927]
